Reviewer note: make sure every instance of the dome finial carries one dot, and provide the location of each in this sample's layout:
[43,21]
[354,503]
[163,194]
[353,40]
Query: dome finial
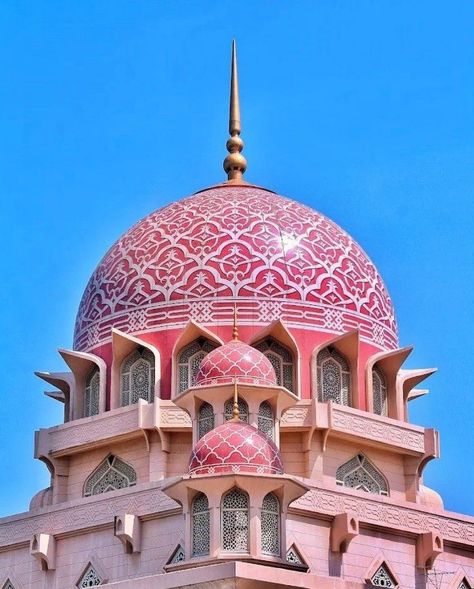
[235,327]
[234,164]
[235,409]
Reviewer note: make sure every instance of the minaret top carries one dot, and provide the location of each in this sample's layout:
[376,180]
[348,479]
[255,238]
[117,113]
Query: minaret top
[234,164]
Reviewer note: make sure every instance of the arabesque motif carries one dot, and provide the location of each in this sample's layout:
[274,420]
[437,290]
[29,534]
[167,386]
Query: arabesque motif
[235,242]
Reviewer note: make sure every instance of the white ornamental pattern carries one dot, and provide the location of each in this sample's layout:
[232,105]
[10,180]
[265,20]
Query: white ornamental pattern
[194,257]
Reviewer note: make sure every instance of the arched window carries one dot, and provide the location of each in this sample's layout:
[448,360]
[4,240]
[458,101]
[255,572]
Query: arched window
[189,360]
[243,410]
[90,578]
[201,530]
[383,577]
[379,391]
[235,521]
[112,474]
[270,525]
[282,361]
[333,375]
[137,377]
[360,473]
[91,398]
[266,421]
[205,419]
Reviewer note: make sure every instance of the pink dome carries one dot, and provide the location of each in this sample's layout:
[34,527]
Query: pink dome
[233,447]
[235,360]
[196,258]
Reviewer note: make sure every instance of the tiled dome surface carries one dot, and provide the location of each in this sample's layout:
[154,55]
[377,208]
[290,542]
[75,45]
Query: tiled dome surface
[235,447]
[235,361]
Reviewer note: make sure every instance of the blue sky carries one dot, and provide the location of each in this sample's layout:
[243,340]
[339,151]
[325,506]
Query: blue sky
[362,110]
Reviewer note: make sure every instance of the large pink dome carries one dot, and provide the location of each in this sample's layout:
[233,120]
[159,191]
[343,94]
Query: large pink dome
[232,447]
[235,360]
[194,258]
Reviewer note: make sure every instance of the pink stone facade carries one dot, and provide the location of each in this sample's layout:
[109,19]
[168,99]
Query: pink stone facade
[317,482]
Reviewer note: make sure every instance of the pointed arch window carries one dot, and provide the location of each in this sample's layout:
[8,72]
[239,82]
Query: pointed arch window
[282,361]
[137,377]
[266,420]
[235,521]
[205,419]
[379,391]
[201,525]
[333,377]
[189,360]
[359,473]
[270,525]
[90,578]
[243,410]
[383,577]
[92,393]
[112,474]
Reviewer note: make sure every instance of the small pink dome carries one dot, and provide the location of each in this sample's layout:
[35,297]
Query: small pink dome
[233,447]
[430,497]
[235,360]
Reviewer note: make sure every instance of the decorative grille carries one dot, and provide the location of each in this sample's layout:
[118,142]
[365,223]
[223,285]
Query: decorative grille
[91,401]
[189,360]
[333,377]
[112,474]
[266,422]
[90,578]
[178,555]
[360,473]
[137,377]
[464,584]
[235,521]
[201,526]
[282,361]
[205,419]
[383,578]
[8,585]
[293,557]
[379,391]
[243,410]
[270,525]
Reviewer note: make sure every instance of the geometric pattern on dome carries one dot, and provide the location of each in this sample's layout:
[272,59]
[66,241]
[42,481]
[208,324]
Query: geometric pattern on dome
[359,473]
[90,578]
[379,391]
[195,257]
[137,377]
[281,360]
[235,360]
[235,447]
[111,474]
[189,360]
[383,578]
[334,378]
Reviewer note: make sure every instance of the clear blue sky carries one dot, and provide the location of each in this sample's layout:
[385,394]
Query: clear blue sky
[362,110]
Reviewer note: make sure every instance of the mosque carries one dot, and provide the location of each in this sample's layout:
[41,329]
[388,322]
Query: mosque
[236,415]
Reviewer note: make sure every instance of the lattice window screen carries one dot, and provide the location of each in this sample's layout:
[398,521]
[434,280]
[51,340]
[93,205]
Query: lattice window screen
[112,474]
[270,525]
[282,361]
[137,377]
[379,391]
[383,578]
[235,521]
[201,530]
[177,556]
[266,421]
[243,410]
[333,377]
[293,557]
[91,400]
[205,419]
[189,360]
[360,473]
[90,578]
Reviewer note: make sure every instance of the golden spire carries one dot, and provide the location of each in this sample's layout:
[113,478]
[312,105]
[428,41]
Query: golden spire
[234,164]
[235,409]
[235,328]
